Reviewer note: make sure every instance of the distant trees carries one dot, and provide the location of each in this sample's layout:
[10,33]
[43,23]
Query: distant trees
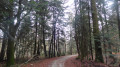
[82,29]
[117,11]
[57,13]
[100,33]
[27,27]
[37,28]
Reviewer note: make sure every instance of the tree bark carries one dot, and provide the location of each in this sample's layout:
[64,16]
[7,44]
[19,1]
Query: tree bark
[10,47]
[45,52]
[118,18]
[96,33]
[91,49]
[35,45]
[4,44]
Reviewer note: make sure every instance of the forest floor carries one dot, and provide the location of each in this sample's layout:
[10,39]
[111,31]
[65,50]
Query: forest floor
[52,62]
[64,61]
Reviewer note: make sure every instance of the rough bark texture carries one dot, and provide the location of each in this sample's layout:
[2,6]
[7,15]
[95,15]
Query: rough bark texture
[98,49]
[12,32]
[4,44]
[45,52]
[90,42]
[35,45]
[10,48]
[118,18]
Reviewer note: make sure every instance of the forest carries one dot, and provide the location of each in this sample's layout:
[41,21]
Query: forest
[59,33]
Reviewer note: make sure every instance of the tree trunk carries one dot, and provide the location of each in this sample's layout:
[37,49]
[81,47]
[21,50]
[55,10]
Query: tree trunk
[104,44]
[58,45]
[96,33]
[45,52]
[10,47]
[12,33]
[35,45]
[107,28]
[4,44]
[38,49]
[91,49]
[118,18]
[70,42]
[54,38]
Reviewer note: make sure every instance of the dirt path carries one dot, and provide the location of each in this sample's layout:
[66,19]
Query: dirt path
[52,62]
[60,61]
[64,61]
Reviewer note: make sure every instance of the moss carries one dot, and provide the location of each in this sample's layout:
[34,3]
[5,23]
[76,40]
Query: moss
[96,33]
[10,53]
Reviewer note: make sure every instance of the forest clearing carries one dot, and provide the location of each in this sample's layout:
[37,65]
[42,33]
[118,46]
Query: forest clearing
[59,33]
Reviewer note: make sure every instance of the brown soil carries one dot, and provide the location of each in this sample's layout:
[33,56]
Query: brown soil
[73,62]
[40,63]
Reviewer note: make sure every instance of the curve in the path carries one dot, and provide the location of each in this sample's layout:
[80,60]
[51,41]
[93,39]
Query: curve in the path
[60,61]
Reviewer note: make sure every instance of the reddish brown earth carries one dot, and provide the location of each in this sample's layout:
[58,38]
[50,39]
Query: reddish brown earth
[63,61]
[73,62]
[53,62]
[41,63]
[69,62]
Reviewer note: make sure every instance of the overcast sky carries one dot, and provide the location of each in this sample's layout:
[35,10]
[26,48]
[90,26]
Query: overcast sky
[70,8]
